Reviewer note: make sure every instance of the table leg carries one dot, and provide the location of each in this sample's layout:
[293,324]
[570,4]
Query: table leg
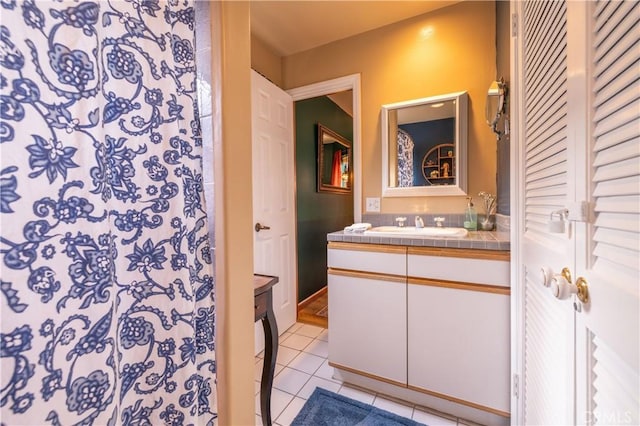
[268,369]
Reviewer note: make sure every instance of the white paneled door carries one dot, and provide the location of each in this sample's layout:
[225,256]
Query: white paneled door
[274,245]
[576,114]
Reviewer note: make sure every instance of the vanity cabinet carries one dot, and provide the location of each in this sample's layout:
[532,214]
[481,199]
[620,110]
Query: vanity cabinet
[367,300]
[458,326]
[430,321]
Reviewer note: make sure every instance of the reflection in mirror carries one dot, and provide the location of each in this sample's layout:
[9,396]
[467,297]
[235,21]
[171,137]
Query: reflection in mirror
[424,146]
[334,162]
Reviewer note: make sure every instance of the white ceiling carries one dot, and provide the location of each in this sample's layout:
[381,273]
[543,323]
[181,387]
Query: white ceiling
[292,26]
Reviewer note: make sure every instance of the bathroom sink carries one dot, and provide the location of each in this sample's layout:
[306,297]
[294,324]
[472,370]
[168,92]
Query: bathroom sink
[410,231]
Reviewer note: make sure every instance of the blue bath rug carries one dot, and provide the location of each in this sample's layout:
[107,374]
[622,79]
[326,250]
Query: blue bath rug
[325,408]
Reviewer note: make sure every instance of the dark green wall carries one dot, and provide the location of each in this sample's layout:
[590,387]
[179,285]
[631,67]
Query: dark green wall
[318,213]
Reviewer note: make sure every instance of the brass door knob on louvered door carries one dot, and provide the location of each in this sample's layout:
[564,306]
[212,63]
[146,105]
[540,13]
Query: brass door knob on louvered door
[562,287]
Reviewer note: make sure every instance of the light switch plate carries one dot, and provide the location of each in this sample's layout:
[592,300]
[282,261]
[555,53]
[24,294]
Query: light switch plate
[373,204]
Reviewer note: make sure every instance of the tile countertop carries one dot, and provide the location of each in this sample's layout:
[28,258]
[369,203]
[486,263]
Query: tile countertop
[481,240]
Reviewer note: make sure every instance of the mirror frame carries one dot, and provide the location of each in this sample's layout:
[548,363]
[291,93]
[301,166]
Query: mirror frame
[322,187]
[461,126]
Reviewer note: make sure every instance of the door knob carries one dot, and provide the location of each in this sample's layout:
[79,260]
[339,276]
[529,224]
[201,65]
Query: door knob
[548,275]
[561,286]
[583,290]
[259,227]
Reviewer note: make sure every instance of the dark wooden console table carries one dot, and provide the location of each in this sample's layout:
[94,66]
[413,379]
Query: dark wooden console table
[263,303]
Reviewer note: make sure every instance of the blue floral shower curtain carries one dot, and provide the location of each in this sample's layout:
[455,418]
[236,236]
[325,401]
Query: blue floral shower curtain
[106,281]
[405,158]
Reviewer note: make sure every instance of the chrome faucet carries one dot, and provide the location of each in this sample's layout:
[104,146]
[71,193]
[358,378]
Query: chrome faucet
[419,222]
[438,221]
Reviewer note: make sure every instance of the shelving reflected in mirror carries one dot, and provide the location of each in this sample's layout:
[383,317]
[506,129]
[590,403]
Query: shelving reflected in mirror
[424,146]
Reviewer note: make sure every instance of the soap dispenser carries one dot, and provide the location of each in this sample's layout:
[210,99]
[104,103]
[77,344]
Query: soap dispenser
[470,217]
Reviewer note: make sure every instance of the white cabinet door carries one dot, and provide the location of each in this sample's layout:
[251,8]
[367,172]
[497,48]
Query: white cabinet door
[458,344]
[367,323]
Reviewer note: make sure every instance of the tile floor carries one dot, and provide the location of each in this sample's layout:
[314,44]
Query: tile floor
[302,365]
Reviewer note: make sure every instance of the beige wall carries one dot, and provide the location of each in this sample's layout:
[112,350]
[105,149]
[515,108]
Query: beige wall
[397,63]
[264,61]
[503,39]
[231,81]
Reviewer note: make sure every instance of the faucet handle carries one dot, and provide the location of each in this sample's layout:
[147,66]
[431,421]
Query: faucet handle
[438,220]
[400,221]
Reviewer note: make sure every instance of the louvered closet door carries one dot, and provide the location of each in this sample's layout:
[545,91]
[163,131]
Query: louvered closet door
[580,150]
[608,333]
[546,156]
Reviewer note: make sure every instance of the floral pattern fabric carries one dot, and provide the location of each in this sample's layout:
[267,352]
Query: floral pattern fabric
[405,159]
[106,286]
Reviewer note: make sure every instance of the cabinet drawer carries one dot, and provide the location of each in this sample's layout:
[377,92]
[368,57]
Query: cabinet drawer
[367,258]
[260,306]
[460,269]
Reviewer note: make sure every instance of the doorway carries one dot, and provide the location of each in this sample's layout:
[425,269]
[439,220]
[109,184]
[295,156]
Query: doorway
[334,104]
[315,309]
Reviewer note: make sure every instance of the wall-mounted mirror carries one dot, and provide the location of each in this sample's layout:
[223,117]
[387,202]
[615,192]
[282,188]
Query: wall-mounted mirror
[496,104]
[334,162]
[424,146]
